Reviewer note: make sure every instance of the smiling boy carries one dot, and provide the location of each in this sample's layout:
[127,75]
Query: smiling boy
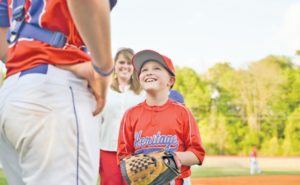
[160,123]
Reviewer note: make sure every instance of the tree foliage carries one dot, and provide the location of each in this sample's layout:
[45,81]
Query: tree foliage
[255,106]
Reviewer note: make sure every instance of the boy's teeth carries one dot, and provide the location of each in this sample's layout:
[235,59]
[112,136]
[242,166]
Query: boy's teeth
[150,80]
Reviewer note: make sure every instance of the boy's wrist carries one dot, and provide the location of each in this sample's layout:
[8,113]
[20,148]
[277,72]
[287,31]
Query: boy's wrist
[177,158]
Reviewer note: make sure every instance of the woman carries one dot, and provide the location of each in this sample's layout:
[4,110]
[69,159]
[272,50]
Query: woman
[124,93]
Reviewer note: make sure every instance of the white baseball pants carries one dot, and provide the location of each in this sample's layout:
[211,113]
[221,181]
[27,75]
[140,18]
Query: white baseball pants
[48,135]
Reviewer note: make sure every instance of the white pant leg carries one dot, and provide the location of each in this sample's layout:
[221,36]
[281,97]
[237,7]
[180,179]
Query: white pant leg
[252,165]
[47,130]
[257,168]
[8,154]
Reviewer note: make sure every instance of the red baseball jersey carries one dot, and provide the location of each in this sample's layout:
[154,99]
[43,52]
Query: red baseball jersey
[172,127]
[54,16]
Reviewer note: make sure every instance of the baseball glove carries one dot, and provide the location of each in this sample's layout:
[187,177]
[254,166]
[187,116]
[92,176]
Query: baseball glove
[156,168]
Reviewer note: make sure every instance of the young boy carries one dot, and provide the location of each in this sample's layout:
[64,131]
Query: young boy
[160,123]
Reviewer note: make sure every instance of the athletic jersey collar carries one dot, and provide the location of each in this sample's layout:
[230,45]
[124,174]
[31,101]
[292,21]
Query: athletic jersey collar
[157,108]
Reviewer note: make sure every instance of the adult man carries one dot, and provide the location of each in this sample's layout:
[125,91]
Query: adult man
[48,127]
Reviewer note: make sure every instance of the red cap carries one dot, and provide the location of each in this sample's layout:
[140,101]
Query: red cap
[140,58]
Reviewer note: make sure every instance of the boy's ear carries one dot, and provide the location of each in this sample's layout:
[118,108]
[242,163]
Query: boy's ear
[171,81]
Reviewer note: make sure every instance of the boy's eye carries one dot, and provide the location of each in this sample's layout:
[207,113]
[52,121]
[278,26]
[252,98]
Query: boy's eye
[157,68]
[143,70]
[121,62]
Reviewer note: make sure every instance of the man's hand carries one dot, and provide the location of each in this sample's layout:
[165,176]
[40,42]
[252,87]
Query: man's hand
[97,83]
[92,20]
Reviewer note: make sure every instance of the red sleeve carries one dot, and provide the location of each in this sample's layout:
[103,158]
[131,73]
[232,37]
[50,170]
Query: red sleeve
[126,138]
[193,141]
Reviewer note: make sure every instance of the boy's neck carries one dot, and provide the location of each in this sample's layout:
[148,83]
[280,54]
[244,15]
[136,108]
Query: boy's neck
[157,98]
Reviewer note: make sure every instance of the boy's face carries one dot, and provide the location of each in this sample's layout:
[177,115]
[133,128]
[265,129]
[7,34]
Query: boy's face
[155,77]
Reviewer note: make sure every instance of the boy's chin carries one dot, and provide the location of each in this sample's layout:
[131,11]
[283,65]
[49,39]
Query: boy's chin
[150,88]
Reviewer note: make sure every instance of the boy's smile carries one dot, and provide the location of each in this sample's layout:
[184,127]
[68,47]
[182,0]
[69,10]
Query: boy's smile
[150,79]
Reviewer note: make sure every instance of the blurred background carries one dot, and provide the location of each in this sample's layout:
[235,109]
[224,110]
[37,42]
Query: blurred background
[237,66]
[238,69]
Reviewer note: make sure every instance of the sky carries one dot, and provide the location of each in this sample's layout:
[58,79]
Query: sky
[201,33]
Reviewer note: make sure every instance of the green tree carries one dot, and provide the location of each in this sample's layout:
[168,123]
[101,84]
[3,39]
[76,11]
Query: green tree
[224,113]
[291,143]
[194,89]
[254,106]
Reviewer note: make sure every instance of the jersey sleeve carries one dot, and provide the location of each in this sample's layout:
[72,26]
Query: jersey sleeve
[4,19]
[193,141]
[126,137]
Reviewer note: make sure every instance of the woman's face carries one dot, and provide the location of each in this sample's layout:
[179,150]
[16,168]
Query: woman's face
[123,68]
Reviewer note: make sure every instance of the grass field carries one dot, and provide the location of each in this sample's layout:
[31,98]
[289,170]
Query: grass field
[220,166]
[224,172]
[2,178]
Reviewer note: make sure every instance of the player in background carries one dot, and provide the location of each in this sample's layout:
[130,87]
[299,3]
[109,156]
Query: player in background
[124,92]
[48,128]
[160,123]
[254,166]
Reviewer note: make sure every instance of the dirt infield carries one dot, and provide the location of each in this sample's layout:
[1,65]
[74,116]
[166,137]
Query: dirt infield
[261,180]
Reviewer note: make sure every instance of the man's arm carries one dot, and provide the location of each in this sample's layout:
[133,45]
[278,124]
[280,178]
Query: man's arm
[3,43]
[92,20]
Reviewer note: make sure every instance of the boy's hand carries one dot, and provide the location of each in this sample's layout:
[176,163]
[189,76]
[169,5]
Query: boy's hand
[154,168]
[97,83]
